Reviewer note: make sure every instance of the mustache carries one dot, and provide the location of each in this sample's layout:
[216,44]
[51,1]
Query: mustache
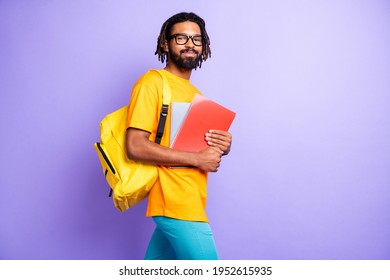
[188,50]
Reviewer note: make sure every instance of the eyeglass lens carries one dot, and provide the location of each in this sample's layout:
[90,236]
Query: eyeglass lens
[182,39]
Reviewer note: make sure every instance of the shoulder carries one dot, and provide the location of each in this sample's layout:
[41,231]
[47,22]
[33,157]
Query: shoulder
[148,87]
[150,79]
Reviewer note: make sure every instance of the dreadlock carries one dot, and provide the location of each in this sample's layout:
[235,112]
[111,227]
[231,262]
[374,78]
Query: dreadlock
[166,32]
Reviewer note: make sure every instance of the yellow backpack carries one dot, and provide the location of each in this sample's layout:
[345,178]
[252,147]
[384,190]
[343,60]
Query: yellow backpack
[130,180]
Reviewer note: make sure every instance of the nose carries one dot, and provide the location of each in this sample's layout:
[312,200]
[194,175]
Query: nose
[190,43]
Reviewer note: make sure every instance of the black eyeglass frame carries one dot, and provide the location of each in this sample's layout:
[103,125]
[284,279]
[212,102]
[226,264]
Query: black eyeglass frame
[188,37]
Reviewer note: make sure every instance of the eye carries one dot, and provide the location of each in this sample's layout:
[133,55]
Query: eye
[198,39]
[181,38]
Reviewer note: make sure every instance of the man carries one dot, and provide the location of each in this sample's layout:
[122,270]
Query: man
[177,201]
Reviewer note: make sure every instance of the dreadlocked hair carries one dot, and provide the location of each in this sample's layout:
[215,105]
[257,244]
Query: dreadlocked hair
[166,32]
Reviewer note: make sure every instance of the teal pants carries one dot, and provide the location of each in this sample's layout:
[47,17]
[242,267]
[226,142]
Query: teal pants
[181,240]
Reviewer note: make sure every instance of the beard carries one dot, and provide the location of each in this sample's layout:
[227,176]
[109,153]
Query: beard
[187,63]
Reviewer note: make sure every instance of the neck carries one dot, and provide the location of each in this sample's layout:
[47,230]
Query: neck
[182,73]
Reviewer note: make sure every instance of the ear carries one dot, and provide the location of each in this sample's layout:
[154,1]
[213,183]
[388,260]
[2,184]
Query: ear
[165,46]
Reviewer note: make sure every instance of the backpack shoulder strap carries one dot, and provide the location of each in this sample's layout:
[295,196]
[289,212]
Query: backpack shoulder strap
[167,95]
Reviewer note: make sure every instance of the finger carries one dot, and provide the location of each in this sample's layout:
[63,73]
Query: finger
[222,144]
[217,131]
[217,138]
[217,147]
[222,137]
[216,134]
[220,133]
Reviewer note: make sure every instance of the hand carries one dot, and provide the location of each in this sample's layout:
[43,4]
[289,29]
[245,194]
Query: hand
[219,139]
[209,159]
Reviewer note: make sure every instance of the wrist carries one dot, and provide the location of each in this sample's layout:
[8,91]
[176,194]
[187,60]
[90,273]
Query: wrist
[193,159]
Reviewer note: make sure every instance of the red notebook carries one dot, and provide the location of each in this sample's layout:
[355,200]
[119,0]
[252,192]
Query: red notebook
[203,115]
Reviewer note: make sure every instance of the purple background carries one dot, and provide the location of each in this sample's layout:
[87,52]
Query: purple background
[308,176]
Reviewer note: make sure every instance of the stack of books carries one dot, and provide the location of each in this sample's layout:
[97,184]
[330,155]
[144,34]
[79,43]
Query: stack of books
[191,121]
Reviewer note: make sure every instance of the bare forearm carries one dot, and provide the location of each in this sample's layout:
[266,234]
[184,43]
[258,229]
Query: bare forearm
[151,152]
[141,148]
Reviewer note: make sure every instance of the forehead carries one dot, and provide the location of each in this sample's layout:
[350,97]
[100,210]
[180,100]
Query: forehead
[187,27]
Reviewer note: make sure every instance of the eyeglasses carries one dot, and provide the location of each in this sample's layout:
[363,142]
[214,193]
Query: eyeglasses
[182,39]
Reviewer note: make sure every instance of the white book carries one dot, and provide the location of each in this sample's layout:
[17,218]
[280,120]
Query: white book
[179,112]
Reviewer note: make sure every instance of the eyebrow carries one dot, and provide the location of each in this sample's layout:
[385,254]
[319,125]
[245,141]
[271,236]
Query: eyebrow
[187,34]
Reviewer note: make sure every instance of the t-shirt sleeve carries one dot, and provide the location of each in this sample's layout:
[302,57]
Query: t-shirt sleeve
[143,109]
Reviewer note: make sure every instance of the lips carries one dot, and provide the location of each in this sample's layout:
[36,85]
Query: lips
[189,53]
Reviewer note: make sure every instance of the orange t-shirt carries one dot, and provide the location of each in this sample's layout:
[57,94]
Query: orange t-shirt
[179,193]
